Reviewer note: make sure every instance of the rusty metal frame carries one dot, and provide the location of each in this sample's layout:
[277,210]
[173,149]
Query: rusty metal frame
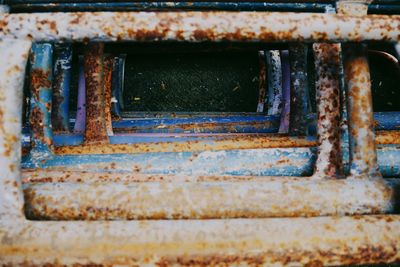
[364,239]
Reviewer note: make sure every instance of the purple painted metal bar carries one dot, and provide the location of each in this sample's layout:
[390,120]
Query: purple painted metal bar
[284,124]
[80,121]
[262,86]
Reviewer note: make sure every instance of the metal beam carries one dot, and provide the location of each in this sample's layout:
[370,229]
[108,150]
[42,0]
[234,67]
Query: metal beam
[41,80]
[95,130]
[324,241]
[61,87]
[327,65]
[200,26]
[256,197]
[12,73]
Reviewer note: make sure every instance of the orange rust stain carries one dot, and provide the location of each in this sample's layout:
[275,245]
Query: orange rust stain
[388,137]
[95,132]
[39,79]
[240,142]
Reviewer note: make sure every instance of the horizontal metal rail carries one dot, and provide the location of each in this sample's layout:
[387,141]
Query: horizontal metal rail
[199,26]
[324,241]
[256,197]
[258,162]
[169,125]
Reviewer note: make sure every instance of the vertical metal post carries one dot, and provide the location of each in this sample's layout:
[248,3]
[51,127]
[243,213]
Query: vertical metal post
[329,73]
[299,95]
[284,122]
[80,120]
[41,78]
[344,125]
[118,86]
[363,157]
[327,65]
[274,67]
[95,131]
[262,78]
[61,87]
[12,73]
[107,81]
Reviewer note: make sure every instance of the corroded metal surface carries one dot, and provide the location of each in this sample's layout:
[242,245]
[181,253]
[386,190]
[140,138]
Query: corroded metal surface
[294,241]
[274,76]
[200,26]
[327,65]
[223,143]
[61,87]
[324,241]
[272,197]
[258,162]
[12,72]
[299,95]
[262,86]
[95,131]
[363,157]
[107,83]
[41,78]
[387,138]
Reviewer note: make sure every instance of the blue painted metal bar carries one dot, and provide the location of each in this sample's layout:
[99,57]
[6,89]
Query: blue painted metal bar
[233,124]
[387,120]
[257,162]
[44,6]
[41,77]
[61,87]
[281,162]
[226,6]
[383,121]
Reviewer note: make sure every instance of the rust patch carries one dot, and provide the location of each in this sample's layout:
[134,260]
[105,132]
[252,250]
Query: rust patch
[388,138]
[95,132]
[227,143]
[327,64]
[57,99]
[36,124]
[107,81]
[39,79]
